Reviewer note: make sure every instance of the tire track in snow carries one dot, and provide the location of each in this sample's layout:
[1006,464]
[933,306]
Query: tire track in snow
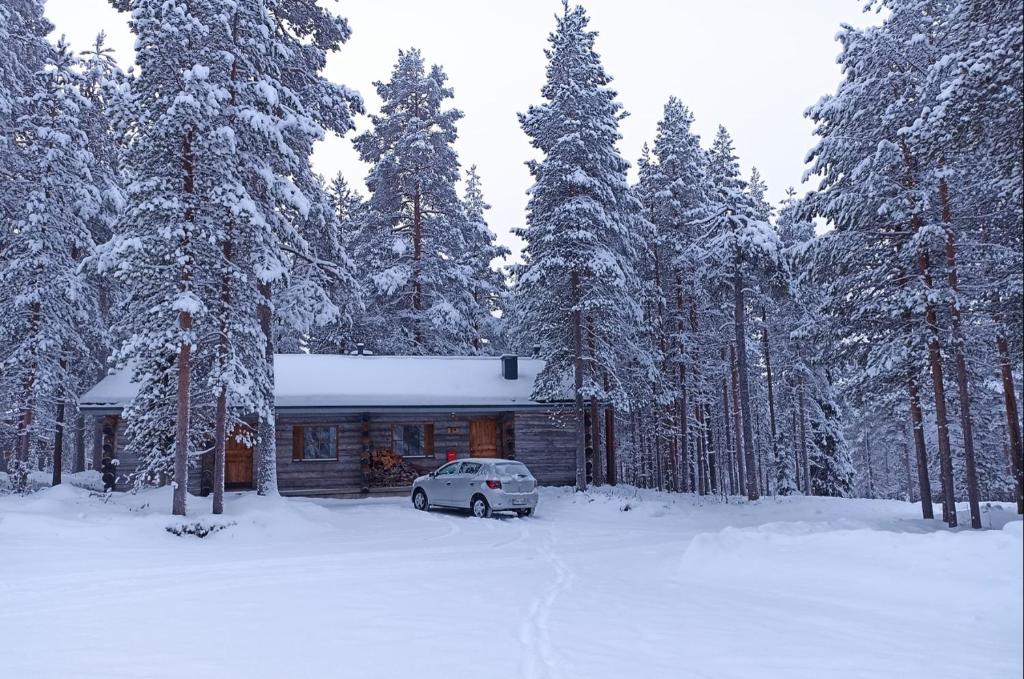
[539,661]
[524,534]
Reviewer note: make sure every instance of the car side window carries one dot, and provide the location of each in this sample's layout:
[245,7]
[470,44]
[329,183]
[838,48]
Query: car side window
[451,468]
[470,468]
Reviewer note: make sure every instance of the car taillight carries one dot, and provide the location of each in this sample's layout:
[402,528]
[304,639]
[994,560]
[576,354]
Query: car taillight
[492,484]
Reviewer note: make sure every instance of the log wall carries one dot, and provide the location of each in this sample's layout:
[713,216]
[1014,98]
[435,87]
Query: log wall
[542,440]
[546,443]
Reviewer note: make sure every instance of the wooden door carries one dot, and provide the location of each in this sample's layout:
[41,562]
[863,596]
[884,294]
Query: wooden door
[237,464]
[483,438]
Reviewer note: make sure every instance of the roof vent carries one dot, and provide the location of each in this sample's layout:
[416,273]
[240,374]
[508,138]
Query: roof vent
[536,351]
[510,367]
[359,348]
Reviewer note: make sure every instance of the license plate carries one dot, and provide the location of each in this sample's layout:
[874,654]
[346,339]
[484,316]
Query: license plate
[518,501]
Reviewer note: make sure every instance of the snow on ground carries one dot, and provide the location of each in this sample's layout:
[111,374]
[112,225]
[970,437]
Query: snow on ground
[802,587]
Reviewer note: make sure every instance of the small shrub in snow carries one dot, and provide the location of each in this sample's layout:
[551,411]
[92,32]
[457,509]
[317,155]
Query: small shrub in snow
[197,528]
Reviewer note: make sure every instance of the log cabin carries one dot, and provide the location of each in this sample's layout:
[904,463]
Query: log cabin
[360,424]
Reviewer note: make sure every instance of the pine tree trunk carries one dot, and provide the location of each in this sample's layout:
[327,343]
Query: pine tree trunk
[595,435]
[728,438]
[709,452]
[701,489]
[917,425]
[771,393]
[219,449]
[221,408]
[609,442]
[684,425]
[181,440]
[417,254]
[577,342]
[741,468]
[796,452]
[938,385]
[805,457]
[684,431]
[659,463]
[178,506]
[673,458]
[58,433]
[28,404]
[634,445]
[871,476]
[1012,421]
[266,428]
[740,324]
[966,422]
[934,355]
[595,415]
[698,399]
[906,472]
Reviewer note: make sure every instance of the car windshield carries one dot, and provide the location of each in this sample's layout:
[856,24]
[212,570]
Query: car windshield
[512,469]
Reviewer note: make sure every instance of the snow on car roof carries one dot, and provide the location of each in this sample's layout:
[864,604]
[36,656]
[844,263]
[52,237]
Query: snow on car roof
[365,381]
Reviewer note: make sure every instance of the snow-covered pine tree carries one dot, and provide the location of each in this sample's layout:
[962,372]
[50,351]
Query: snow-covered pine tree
[904,191]
[420,293]
[51,306]
[166,240]
[23,28]
[289,48]
[278,106]
[577,290]
[222,162]
[966,139]
[479,255]
[674,191]
[739,251]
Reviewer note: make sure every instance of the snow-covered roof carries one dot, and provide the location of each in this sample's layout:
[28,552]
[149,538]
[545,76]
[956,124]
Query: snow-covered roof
[367,381]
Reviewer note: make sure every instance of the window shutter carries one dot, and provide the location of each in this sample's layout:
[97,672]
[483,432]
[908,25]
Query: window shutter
[296,443]
[428,440]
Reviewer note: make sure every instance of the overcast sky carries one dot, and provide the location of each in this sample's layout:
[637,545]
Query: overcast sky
[751,65]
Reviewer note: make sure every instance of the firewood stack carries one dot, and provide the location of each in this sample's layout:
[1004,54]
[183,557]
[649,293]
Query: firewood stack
[388,469]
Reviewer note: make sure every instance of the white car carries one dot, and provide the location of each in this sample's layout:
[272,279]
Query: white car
[481,485]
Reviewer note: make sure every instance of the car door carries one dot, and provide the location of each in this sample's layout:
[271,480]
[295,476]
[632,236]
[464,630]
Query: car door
[465,483]
[439,490]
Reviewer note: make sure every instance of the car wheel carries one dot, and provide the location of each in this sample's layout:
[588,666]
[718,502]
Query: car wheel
[480,507]
[419,500]
[525,512]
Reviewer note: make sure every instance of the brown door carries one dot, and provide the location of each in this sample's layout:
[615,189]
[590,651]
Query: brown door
[237,464]
[483,438]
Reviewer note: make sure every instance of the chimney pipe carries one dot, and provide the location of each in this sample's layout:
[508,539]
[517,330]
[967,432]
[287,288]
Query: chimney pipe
[536,351]
[510,366]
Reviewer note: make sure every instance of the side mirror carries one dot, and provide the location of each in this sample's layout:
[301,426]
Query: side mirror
[432,475]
